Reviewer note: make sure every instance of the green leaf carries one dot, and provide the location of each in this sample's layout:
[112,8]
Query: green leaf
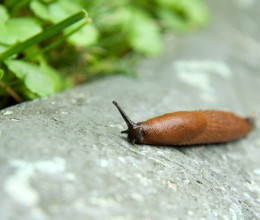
[53,75]
[1,73]
[86,36]
[170,19]
[2,48]
[41,80]
[55,11]
[40,10]
[192,12]
[196,11]
[40,84]
[18,29]
[3,14]
[168,3]
[142,32]
[62,8]
[112,20]
[19,68]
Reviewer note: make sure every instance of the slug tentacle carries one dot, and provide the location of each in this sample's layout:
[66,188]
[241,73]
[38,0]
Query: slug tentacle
[124,132]
[134,131]
[124,115]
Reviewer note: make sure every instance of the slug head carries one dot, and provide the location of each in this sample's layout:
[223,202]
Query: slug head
[134,131]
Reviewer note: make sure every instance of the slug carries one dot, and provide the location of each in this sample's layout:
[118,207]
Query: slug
[188,128]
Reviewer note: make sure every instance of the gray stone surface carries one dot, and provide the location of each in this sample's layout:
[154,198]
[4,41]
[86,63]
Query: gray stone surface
[63,157]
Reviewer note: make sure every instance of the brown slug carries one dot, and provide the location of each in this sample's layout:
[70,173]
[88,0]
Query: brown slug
[188,128]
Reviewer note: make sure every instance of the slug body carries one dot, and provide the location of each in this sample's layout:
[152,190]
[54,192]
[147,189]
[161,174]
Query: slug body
[188,128]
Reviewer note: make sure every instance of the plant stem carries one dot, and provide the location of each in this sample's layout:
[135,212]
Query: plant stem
[11,92]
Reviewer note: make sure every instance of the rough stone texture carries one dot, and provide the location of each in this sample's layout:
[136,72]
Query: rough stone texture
[63,157]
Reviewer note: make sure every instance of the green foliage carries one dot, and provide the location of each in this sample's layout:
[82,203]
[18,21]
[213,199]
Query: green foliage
[1,73]
[86,36]
[22,27]
[40,79]
[142,32]
[48,45]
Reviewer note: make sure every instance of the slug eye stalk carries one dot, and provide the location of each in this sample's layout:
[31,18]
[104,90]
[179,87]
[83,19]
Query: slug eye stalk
[125,117]
[134,130]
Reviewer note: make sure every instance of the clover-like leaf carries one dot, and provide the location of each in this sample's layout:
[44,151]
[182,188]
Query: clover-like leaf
[19,68]
[1,73]
[40,9]
[55,11]
[143,33]
[86,36]
[2,48]
[4,16]
[41,80]
[62,8]
[18,29]
[40,84]
[171,20]
[192,12]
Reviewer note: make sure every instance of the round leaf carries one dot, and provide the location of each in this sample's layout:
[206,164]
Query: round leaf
[143,34]
[18,29]
[1,73]
[62,8]
[40,10]
[41,80]
[19,68]
[2,48]
[39,83]
[3,14]
[86,36]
